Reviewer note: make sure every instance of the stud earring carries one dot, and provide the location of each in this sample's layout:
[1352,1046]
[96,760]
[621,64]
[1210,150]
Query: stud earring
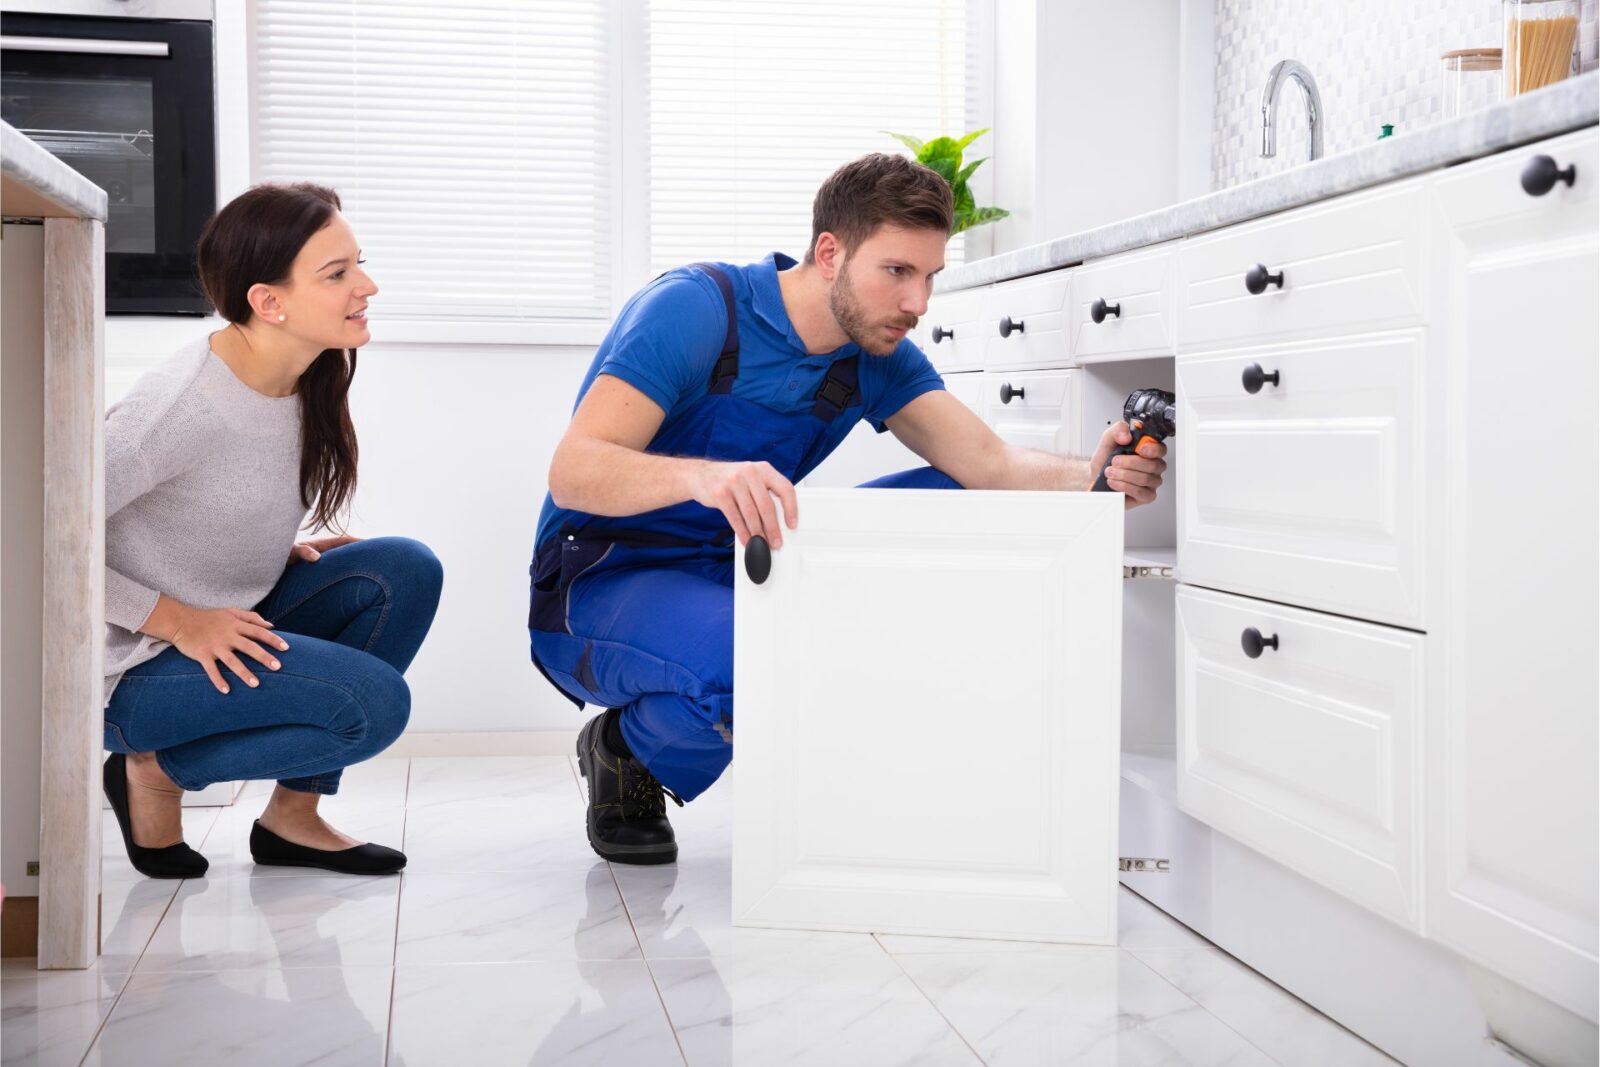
[283,318]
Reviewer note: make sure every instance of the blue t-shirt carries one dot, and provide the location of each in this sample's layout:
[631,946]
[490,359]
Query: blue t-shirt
[669,335]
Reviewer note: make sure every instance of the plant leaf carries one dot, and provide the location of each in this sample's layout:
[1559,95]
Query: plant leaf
[978,217]
[973,136]
[966,171]
[905,139]
[940,148]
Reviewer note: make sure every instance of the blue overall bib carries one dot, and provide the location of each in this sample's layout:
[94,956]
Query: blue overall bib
[637,612]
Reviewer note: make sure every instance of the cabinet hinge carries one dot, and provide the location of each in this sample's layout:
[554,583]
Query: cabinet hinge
[1144,570]
[1141,864]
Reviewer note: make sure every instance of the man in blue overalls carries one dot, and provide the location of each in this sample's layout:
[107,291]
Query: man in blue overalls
[717,389]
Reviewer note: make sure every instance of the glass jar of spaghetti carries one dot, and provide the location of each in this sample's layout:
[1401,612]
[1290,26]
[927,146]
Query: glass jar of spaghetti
[1541,43]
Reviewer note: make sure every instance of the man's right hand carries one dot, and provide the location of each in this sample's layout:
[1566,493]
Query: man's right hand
[743,492]
[209,635]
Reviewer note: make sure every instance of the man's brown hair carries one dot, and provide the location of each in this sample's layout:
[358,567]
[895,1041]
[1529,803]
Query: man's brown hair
[876,189]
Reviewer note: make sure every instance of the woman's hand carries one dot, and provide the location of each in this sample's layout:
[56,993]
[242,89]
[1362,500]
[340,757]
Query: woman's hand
[220,634]
[311,551]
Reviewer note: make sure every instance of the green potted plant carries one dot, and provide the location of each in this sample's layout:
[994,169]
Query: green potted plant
[943,155]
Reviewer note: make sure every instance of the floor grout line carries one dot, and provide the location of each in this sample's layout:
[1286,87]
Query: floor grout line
[394,958]
[925,996]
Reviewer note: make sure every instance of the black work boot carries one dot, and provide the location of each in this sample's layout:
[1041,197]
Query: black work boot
[627,806]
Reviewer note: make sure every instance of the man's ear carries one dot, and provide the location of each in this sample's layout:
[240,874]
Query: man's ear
[830,255]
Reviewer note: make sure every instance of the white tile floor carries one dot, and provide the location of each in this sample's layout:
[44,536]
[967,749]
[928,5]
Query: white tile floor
[508,941]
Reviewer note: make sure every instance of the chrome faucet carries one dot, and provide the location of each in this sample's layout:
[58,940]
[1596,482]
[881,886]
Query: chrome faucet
[1290,68]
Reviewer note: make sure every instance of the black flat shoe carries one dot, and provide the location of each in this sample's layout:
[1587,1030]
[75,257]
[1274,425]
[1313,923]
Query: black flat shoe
[270,850]
[174,861]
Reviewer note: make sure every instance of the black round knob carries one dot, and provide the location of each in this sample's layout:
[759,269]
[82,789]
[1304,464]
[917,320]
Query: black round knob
[1257,278]
[940,333]
[1541,174]
[1006,326]
[1100,309]
[1255,378]
[1252,642]
[1007,394]
[758,559]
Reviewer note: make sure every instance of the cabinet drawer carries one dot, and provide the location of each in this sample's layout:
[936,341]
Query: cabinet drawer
[1308,491]
[1307,753]
[1348,265]
[1036,308]
[1042,412]
[1137,318]
[949,333]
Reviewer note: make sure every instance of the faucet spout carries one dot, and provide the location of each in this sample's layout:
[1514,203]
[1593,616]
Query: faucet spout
[1290,70]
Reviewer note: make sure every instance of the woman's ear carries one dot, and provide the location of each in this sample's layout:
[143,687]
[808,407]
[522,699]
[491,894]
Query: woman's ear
[265,303]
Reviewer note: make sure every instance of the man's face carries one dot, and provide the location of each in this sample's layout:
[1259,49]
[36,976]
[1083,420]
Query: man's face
[883,286]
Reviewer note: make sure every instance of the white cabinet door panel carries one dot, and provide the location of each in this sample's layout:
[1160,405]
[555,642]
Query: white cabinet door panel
[1308,491]
[1350,264]
[1037,308]
[951,333]
[1034,409]
[928,717]
[1512,772]
[1307,753]
[1138,322]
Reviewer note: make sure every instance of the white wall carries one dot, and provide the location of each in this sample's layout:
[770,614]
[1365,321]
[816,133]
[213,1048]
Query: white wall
[455,448]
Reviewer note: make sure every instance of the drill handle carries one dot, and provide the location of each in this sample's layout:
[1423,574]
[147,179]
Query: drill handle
[1100,484]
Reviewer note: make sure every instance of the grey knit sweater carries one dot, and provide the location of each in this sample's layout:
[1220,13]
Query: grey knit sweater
[202,497]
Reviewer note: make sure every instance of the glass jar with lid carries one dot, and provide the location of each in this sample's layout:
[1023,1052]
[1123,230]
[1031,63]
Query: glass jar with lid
[1541,43]
[1472,80]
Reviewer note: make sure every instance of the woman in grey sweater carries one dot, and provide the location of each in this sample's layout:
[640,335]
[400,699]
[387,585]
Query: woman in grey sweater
[232,650]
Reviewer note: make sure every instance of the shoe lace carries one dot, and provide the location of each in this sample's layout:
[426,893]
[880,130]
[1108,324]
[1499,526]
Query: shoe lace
[642,796]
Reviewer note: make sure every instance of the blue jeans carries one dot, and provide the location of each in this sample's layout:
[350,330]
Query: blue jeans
[353,621]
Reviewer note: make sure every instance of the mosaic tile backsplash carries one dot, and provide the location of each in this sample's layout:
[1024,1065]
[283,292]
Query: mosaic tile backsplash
[1375,61]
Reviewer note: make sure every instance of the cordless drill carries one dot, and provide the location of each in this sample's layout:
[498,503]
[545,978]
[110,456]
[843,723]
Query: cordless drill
[1152,415]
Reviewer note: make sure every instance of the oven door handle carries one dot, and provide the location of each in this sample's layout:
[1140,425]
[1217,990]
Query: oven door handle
[85,45]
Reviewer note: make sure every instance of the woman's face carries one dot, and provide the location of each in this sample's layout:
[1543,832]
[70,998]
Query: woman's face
[325,302]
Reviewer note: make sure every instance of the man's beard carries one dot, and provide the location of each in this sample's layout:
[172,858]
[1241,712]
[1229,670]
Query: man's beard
[852,318]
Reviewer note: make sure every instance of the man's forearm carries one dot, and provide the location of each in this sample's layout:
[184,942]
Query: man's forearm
[602,478]
[1028,468]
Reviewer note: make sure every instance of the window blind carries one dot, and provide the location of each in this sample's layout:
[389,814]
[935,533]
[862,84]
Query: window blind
[754,102]
[471,144]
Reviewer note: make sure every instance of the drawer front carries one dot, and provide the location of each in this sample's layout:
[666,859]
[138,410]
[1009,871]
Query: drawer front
[1037,309]
[1137,320]
[1307,753]
[1349,265]
[1043,411]
[1308,491]
[950,332]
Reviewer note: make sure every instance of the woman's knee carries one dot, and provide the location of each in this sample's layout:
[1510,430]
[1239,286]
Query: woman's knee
[380,708]
[409,565]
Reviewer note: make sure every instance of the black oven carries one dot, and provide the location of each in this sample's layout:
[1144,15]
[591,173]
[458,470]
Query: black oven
[128,103]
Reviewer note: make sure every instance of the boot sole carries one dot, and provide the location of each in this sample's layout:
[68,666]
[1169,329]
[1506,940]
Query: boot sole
[638,855]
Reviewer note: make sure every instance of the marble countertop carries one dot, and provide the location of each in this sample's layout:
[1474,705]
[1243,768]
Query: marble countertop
[29,169]
[1566,106]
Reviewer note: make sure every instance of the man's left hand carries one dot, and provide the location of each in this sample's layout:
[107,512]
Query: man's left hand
[311,551]
[1137,477]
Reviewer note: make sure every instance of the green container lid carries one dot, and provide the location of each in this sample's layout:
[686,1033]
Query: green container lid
[1388,131]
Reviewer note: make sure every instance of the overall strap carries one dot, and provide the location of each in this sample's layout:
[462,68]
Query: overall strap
[839,388]
[727,365]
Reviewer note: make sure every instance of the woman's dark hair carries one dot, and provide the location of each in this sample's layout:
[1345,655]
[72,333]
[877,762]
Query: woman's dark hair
[255,239]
